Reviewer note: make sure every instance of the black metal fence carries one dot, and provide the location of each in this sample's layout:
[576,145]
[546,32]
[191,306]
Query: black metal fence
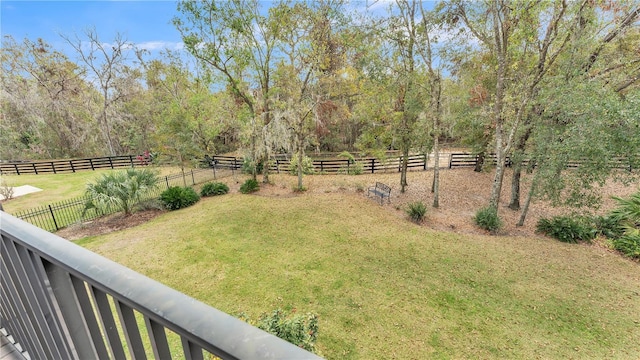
[71,165]
[56,216]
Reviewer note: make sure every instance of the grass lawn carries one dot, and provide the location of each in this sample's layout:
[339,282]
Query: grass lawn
[57,187]
[386,288]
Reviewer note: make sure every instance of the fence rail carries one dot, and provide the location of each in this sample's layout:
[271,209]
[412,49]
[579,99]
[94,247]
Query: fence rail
[56,216]
[71,165]
[471,160]
[335,166]
[61,301]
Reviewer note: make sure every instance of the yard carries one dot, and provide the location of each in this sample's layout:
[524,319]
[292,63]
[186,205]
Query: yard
[385,287]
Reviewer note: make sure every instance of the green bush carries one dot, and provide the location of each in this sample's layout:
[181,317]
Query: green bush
[629,243]
[298,329]
[307,165]
[416,211]
[608,226]
[121,190]
[628,216]
[487,218]
[177,197]
[212,189]
[249,186]
[567,229]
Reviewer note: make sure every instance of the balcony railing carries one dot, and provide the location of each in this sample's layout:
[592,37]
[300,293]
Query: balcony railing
[61,301]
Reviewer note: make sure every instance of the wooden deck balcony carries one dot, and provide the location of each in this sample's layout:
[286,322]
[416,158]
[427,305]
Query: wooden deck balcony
[61,301]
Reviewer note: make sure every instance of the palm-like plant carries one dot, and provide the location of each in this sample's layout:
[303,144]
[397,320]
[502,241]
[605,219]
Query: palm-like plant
[628,215]
[628,210]
[120,189]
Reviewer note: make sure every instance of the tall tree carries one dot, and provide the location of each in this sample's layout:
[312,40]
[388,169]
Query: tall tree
[46,102]
[527,37]
[236,39]
[107,64]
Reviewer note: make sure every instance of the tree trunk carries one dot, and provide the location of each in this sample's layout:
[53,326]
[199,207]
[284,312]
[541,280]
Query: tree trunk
[403,168]
[500,37]
[480,162]
[435,189]
[514,204]
[525,209]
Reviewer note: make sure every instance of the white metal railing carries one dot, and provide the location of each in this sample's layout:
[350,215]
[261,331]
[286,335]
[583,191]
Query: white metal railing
[61,301]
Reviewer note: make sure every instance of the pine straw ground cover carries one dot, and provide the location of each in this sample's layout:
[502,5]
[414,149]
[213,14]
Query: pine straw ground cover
[385,287]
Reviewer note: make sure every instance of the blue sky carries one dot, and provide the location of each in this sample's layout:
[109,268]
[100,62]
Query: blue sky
[145,23]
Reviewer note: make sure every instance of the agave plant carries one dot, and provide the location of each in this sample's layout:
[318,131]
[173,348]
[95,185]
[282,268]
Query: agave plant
[120,189]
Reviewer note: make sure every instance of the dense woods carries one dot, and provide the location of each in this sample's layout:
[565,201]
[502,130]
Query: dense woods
[550,81]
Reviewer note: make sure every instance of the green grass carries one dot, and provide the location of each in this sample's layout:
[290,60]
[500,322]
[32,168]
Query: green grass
[385,289]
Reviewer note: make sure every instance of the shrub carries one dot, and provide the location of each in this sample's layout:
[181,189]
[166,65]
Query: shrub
[212,189]
[249,186]
[487,218]
[416,211]
[629,243]
[628,216]
[177,197]
[567,229]
[6,191]
[298,329]
[608,226]
[307,165]
[120,189]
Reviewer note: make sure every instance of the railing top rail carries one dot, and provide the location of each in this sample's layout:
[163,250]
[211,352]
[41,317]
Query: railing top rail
[212,329]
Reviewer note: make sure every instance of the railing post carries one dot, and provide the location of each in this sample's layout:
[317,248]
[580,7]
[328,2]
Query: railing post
[54,218]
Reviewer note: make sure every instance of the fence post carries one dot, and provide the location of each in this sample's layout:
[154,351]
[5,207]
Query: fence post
[214,170]
[348,166]
[53,165]
[91,163]
[321,165]
[131,160]
[34,168]
[425,161]
[373,165]
[110,161]
[450,160]
[73,169]
[17,171]
[54,218]
[166,180]
[193,179]
[184,179]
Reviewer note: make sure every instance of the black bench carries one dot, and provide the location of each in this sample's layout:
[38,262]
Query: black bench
[382,191]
